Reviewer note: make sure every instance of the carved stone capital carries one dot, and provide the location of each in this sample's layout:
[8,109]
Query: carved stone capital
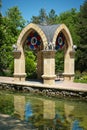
[72,53]
[17,54]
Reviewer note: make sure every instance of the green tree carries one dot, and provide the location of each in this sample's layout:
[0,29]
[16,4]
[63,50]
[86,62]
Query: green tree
[44,18]
[81,61]
[2,36]
[35,19]
[52,17]
[15,18]
[10,27]
[41,18]
[70,19]
[0,5]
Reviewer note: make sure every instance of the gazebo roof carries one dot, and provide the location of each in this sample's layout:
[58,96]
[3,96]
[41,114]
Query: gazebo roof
[49,30]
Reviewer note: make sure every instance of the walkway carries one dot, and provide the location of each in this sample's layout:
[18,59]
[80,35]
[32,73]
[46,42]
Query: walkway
[63,85]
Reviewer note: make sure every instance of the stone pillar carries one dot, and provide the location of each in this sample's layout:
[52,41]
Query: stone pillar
[49,67]
[19,66]
[69,66]
[39,64]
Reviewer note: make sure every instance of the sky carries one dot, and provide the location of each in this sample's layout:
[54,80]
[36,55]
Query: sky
[30,8]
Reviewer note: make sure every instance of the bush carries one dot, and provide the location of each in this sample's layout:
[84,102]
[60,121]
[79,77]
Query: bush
[78,75]
[81,77]
[30,65]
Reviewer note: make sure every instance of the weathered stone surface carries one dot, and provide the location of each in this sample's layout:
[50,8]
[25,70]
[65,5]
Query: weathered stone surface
[54,92]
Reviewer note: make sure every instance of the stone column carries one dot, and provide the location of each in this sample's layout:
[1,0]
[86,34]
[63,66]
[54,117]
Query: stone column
[19,66]
[48,67]
[39,64]
[69,66]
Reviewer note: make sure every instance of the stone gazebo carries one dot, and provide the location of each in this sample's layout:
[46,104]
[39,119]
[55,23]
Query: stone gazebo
[46,40]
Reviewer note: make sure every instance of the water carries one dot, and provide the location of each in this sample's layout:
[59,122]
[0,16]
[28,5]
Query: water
[45,113]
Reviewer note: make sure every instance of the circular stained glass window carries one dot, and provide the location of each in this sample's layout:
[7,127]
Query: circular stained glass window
[60,41]
[33,40]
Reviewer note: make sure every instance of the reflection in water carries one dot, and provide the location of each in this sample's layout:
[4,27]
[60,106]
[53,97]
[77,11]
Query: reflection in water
[68,112]
[19,106]
[49,109]
[47,114]
[28,111]
[76,125]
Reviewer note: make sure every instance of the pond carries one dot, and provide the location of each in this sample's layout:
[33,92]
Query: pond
[45,113]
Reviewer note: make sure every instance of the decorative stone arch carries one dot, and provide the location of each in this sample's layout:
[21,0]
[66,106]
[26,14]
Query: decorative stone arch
[19,62]
[65,30]
[26,31]
[69,52]
[46,56]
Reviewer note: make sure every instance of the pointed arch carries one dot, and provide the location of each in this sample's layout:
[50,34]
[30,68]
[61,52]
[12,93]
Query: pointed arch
[62,28]
[68,59]
[26,31]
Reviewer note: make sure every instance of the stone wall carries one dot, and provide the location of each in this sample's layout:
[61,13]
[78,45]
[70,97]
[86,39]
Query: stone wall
[51,92]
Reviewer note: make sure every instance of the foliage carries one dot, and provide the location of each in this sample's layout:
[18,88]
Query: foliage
[52,17]
[12,23]
[80,77]
[81,61]
[10,27]
[45,19]
[0,3]
[41,19]
[59,62]
[6,104]
[11,68]
[30,64]
[15,18]
[70,19]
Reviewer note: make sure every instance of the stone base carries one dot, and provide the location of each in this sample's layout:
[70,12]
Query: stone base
[68,77]
[19,77]
[49,79]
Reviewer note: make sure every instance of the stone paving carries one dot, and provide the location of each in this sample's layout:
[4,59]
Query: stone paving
[63,85]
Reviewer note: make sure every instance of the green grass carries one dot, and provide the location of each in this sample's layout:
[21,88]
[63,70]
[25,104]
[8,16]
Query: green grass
[80,81]
[80,77]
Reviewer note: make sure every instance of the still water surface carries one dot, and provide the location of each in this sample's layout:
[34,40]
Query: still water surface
[45,113]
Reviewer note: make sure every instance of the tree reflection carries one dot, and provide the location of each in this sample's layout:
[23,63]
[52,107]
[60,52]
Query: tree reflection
[49,114]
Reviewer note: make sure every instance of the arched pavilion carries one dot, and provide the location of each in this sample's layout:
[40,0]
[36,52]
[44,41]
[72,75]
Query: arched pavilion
[46,39]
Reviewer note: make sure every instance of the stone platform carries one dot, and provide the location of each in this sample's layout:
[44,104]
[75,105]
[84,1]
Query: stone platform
[62,85]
